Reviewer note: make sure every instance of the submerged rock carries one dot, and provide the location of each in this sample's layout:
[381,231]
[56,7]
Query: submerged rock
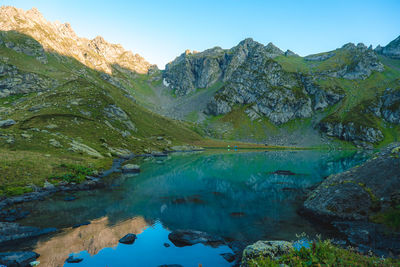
[182,238]
[18,259]
[229,257]
[272,249]
[128,239]
[283,172]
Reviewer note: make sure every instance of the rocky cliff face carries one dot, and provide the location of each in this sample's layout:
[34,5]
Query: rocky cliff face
[193,70]
[359,62]
[359,192]
[253,77]
[61,38]
[391,50]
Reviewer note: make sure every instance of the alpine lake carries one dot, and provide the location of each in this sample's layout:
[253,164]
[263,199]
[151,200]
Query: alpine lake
[241,196]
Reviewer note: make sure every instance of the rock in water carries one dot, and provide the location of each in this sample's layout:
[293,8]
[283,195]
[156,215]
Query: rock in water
[182,238]
[359,192]
[18,259]
[270,249]
[72,259]
[229,257]
[128,239]
[130,168]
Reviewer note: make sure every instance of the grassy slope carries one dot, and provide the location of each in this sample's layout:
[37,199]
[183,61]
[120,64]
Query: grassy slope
[80,90]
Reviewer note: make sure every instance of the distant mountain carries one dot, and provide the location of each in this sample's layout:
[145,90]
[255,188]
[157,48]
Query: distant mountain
[336,90]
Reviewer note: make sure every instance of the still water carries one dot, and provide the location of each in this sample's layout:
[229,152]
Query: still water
[237,196]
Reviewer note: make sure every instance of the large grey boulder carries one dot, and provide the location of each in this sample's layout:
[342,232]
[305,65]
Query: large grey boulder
[359,192]
[271,249]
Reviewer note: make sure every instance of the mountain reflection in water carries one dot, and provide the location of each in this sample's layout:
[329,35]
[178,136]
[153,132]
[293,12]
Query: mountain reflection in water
[238,196]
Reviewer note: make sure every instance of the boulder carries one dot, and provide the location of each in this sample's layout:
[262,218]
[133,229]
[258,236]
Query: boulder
[7,123]
[18,259]
[182,238]
[130,168]
[128,239]
[360,192]
[272,249]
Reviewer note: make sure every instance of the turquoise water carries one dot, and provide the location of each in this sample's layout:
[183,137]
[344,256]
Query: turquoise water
[233,195]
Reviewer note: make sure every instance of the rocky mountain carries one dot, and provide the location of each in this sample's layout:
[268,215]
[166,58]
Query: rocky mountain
[59,106]
[61,38]
[264,82]
[391,50]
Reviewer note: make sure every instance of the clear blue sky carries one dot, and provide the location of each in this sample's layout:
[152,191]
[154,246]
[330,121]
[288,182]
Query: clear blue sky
[161,30]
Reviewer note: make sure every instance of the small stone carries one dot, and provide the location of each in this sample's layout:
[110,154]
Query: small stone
[69,198]
[55,143]
[51,126]
[130,168]
[72,259]
[7,123]
[167,245]
[26,136]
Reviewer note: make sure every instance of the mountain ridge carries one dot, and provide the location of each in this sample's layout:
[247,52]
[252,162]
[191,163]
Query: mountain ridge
[60,37]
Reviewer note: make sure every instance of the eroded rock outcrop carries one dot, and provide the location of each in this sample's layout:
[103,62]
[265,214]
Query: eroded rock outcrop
[391,50]
[359,192]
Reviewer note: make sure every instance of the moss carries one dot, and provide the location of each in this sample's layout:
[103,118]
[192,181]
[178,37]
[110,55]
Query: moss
[390,218]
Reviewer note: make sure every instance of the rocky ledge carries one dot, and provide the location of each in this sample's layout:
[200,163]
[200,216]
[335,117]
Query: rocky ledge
[353,201]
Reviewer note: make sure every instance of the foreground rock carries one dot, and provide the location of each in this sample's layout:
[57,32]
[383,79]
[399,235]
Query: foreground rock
[272,249]
[130,168]
[13,232]
[182,238]
[18,259]
[350,200]
[359,192]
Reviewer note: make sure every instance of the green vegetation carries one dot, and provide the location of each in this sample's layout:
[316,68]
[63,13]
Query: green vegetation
[72,173]
[323,253]
[390,217]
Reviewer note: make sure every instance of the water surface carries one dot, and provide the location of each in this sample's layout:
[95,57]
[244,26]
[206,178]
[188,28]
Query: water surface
[237,196]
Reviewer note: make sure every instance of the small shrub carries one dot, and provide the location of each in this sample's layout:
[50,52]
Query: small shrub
[72,173]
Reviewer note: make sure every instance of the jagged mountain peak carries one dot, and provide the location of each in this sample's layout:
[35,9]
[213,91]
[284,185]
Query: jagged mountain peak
[61,38]
[392,49]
